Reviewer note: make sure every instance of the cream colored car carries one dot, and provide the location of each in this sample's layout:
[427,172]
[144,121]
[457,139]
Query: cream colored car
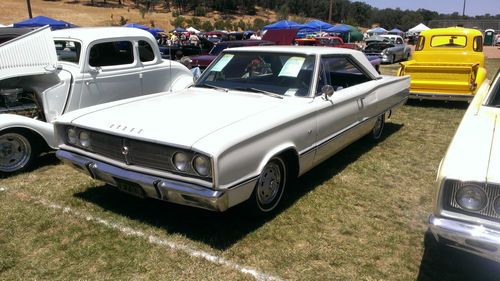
[467,213]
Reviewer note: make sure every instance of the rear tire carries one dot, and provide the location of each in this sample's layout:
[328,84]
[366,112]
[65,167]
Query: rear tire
[270,187]
[16,152]
[378,128]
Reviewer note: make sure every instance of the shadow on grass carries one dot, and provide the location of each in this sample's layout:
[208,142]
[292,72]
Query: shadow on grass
[445,263]
[221,230]
[438,104]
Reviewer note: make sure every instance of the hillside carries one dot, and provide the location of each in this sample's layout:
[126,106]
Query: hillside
[82,14]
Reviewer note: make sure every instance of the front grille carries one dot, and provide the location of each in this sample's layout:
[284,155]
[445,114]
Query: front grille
[450,203]
[138,153]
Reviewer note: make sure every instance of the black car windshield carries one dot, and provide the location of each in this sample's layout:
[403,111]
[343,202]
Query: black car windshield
[280,74]
[494,99]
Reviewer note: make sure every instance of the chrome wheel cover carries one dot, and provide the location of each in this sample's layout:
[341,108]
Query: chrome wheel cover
[15,152]
[379,126]
[270,184]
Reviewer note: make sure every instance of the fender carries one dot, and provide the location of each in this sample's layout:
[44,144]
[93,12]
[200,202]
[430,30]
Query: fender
[44,129]
[279,149]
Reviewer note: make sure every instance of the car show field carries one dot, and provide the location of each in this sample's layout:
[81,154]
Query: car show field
[361,215]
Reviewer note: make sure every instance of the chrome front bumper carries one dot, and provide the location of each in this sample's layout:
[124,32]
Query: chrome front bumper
[157,187]
[472,238]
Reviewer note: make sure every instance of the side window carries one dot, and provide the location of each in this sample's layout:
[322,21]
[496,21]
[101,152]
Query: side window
[478,44]
[341,73]
[399,41]
[420,43]
[146,53]
[111,53]
[68,51]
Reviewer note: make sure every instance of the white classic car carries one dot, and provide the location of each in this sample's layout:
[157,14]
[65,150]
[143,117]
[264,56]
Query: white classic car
[44,74]
[467,213]
[256,119]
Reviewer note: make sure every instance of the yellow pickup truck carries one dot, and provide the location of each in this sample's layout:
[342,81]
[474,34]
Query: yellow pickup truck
[448,64]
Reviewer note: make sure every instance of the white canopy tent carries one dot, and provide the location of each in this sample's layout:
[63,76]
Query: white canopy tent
[192,30]
[419,28]
[1,25]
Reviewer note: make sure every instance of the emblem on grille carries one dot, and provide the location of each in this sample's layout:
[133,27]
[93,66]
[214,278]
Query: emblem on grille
[124,150]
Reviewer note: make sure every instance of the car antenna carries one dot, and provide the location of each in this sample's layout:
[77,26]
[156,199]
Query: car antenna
[170,60]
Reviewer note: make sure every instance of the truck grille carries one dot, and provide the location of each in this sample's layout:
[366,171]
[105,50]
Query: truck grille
[492,192]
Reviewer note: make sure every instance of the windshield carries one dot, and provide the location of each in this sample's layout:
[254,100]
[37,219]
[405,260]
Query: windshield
[264,72]
[68,51]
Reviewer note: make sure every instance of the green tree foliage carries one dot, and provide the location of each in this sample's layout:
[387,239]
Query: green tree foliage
[207,26]
[179,21]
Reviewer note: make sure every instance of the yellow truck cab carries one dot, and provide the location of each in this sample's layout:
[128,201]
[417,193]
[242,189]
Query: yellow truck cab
[448,64]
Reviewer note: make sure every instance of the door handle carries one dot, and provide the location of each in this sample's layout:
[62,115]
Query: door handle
[89,82]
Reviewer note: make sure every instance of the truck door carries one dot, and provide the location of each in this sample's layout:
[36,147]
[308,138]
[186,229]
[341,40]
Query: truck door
[113,73]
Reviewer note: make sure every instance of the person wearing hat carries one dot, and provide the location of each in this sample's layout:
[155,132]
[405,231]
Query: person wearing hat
[186,61]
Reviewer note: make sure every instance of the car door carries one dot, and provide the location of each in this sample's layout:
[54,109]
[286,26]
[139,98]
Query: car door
[340,117]
[112,73]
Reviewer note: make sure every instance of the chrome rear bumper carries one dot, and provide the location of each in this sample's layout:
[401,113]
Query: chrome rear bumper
[472,238]
[159,188]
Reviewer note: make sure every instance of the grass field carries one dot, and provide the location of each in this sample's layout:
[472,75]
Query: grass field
[361,215]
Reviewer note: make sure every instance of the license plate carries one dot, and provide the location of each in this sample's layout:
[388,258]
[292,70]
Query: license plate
[130,187]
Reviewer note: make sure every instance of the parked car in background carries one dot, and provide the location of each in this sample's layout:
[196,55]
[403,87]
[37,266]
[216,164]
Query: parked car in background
[467,211]
[204,47]
[48,74]
[256,119]
[203,61]
[389,48]
[448,64]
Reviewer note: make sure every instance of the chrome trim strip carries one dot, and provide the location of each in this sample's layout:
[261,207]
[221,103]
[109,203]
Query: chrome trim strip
[435,96]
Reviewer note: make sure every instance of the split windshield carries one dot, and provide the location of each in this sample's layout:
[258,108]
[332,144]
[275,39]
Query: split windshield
[276,73]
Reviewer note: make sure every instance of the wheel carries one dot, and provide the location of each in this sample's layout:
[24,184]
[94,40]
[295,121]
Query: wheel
[270,187]
[378,128]
[16,152]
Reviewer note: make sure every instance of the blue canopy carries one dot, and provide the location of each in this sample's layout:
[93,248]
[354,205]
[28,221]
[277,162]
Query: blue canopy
[340,28]
[396,31]
[42,21]
[155,30]
[283,24]
[378,30]
[317,25]
[136,25]
[179,29]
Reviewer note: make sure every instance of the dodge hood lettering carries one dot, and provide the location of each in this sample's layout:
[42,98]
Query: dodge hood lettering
[187,124]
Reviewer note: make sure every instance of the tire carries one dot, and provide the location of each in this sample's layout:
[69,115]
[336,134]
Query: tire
[378,128]
[270,187]
[16,152]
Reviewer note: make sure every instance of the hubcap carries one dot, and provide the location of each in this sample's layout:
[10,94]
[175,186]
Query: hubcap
[15,152]
[269,183]
[377,129]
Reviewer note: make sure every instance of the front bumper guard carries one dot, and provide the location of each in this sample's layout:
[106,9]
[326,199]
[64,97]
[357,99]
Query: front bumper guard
[473,238]
[158,187]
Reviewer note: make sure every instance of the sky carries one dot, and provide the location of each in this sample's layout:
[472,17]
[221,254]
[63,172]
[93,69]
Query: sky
[472,7]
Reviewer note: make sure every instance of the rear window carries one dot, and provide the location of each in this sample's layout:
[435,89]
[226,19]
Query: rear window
[478,44]
[448,41]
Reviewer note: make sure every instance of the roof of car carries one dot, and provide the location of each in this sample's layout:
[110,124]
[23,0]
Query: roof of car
[310,50]
[451,31]
[95,33]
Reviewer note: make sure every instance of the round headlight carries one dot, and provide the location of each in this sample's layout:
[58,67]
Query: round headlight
[72,138]
[471,197]
[496,205]
[84,139]
[202,165]
[181,161]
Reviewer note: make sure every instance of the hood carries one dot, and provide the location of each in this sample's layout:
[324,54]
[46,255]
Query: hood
[178,119]
[29,54]
[473,154]
[377,47]
[203,60]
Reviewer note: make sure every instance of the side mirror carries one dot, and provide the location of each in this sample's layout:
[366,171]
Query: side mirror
[327,91]
[95,70]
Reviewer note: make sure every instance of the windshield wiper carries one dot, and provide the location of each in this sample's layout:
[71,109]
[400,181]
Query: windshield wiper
[255,90]
[204,85]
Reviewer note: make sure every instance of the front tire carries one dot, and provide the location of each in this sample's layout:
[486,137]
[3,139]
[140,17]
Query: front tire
[270,187]
[16,152]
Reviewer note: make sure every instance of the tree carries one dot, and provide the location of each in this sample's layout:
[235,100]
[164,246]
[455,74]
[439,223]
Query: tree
[207,26]
[178,21]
